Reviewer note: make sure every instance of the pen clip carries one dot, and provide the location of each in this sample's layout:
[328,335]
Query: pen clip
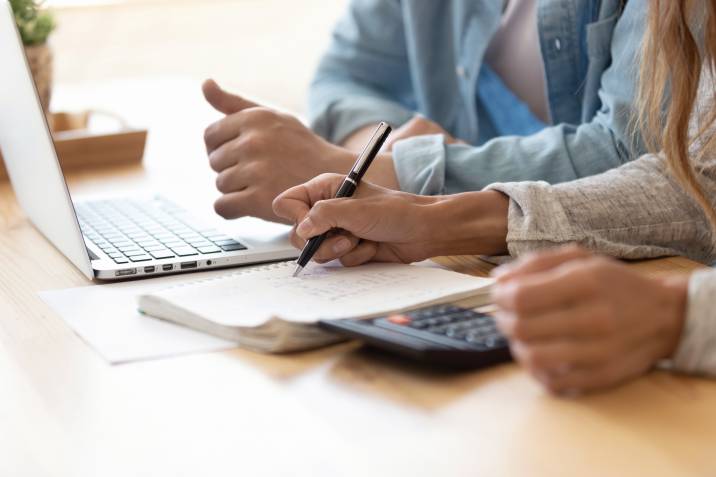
[370,150]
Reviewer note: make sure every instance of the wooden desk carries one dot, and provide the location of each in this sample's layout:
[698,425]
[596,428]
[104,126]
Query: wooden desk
[337,411]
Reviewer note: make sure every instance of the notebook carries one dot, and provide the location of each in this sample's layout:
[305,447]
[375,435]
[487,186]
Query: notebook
[267,309]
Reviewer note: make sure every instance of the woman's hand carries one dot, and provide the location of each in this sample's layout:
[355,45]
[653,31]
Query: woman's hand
[579,322]
[379,224]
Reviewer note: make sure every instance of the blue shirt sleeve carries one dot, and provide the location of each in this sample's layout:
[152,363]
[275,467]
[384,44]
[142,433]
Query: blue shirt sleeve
[364,77]
[556,154]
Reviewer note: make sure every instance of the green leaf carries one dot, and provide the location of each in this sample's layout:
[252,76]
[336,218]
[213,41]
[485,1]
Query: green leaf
[34,22]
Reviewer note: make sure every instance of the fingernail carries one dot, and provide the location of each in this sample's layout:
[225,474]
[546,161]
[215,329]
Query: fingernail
[341,246]
[305,228]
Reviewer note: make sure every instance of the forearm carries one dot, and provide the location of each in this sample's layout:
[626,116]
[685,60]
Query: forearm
[472,223]
[427,165]
[357,140]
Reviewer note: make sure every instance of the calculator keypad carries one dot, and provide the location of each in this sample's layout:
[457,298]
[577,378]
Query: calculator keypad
[448,323]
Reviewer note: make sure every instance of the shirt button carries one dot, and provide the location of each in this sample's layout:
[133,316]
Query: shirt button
[557,44]
[461,72]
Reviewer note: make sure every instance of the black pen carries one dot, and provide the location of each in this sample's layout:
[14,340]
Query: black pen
[349,186]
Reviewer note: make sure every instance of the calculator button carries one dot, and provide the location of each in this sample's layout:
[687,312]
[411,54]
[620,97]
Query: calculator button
[399,319]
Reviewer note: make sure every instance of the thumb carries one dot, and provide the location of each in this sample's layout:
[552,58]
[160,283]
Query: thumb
[331,214]
[222,101]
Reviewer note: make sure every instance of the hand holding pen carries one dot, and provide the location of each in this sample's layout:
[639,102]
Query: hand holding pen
[348,188]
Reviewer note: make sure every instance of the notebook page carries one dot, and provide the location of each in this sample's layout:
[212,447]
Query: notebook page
[250,298]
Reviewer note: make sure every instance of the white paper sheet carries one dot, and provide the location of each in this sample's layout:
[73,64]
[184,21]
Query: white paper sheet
[106,317]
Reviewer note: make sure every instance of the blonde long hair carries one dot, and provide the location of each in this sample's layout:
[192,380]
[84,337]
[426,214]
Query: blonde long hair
[674,62]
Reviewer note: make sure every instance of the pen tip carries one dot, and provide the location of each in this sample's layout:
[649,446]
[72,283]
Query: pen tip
[298,270]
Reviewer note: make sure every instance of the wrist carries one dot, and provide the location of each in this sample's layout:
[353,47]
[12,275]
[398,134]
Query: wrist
[676,292]
[472,223]
[381,172]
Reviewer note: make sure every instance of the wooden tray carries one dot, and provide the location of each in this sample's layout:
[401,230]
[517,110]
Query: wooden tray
[79,148]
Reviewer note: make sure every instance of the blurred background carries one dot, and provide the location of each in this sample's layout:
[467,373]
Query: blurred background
[263,48]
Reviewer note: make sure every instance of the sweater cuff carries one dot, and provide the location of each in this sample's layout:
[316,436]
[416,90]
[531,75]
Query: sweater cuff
[696,353]
[420,164]
[524,233]
[348,115]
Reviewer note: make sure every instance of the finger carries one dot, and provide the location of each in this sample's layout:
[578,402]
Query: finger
[582,321]
[539,262]
[296,241]
[222,101]
[364,252]
[332,214]
[294,203]
[607,375]
[222,132]
[335,246]
[235,178]
[556,288]
[556,356]
[226,155]
[235,204]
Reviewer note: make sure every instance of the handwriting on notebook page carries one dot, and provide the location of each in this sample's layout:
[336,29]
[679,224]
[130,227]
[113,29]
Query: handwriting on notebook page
[336,284]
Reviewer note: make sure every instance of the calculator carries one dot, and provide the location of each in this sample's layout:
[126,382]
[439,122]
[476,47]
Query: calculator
[443,335]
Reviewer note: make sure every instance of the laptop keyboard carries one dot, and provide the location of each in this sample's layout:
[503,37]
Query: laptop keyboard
[132,231]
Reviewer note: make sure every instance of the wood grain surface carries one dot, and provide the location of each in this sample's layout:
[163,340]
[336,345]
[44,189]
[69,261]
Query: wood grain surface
[338,411]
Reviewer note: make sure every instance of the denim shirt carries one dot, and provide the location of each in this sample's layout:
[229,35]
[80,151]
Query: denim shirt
[390,59]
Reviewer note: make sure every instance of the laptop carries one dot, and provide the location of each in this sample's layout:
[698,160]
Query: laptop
[107,238]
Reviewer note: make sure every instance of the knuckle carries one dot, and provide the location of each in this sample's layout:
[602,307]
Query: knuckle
[215,160]
[530,358]
[589,278]
[219,182]
[209,133]
[519,330]
[520,298]
[223,182]
[603,320]
[258,115]
[252,144]
[320,208]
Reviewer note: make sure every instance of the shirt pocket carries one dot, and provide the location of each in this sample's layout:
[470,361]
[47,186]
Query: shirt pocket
[599,37]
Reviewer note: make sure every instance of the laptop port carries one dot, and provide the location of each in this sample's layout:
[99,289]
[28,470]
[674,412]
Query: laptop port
[168,268]
[188,265]
[150,269]
[126,272]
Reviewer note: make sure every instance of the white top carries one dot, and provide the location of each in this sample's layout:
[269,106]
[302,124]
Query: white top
[514,54]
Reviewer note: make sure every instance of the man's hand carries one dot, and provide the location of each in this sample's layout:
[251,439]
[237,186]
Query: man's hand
[418,126]
[580,323]
[259,153]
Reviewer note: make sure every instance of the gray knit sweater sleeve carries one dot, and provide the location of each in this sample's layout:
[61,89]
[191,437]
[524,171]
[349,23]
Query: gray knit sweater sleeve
[635,211]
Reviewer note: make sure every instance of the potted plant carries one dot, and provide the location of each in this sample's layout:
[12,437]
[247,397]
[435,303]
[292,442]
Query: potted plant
[35,24]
